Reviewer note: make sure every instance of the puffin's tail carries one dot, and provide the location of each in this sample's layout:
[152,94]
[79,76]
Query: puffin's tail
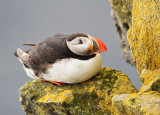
[15,53]
[23,56]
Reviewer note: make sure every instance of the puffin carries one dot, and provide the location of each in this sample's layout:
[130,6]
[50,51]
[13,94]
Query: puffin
[62,59]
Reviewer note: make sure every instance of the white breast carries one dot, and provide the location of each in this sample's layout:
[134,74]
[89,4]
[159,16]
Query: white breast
[73,70]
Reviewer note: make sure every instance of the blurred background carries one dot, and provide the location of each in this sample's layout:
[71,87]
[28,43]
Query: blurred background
[31,21]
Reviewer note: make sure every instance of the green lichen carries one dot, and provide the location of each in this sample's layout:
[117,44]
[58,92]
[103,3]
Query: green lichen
[90,97]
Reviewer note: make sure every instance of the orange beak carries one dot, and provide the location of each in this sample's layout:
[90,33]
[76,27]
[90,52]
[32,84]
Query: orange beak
[101,45]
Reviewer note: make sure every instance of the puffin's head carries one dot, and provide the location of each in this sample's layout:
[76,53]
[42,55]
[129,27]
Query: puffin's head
[84,44]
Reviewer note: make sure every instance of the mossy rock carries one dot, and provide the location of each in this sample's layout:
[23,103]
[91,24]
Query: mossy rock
[92,97]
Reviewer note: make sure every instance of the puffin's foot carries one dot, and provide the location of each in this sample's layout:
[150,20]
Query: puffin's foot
[58,83]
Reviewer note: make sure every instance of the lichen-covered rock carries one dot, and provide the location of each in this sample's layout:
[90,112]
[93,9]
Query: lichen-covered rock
[92,97]
[144,36]
[123,9]
[150,81]
[121,13]
[137,104]
[144,40]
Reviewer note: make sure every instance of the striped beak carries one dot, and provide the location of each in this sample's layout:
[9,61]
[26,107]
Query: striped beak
[97,45]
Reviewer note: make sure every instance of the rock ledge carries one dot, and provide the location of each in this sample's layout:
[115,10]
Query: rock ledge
[92,97]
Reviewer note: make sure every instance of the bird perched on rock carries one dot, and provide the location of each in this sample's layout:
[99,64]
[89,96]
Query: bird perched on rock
[63,58]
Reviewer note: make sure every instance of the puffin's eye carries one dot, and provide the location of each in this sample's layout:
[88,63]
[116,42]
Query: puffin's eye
[80,42]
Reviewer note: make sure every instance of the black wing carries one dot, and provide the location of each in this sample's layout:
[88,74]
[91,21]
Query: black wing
[42,55]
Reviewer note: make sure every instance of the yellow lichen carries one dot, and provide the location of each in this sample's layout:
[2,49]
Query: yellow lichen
[65,96]
[98,76]
[150,80]
[144,36]
[35,80]
[105,102]
[99,82]
[23,106]
[20,99]
[85,89]
[47,89]
[106,68]
[91,89]
[106,79]
[132,100]
[103,105]
[100,94]
[108,99]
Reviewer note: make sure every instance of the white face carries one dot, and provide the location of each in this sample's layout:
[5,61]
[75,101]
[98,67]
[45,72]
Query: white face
[79,45]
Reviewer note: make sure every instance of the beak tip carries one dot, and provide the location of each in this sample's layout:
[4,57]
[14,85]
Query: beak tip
[101,45]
